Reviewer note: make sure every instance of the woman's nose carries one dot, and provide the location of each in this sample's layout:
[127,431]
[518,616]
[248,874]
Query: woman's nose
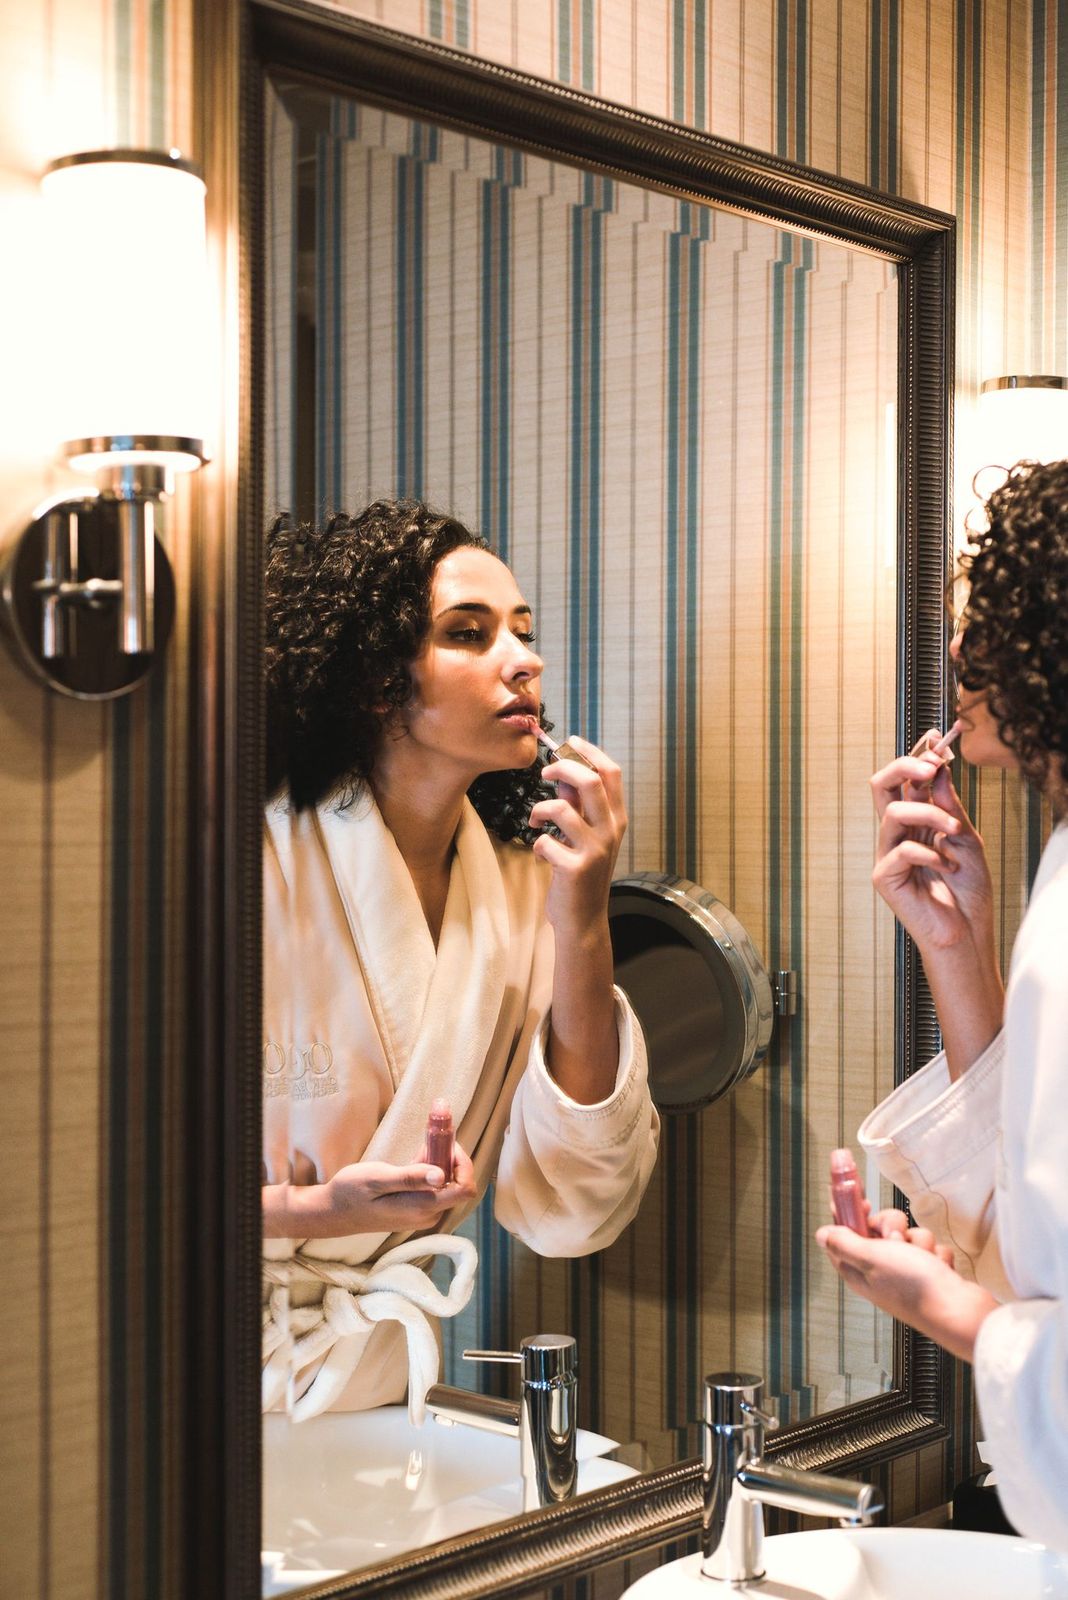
[525,664]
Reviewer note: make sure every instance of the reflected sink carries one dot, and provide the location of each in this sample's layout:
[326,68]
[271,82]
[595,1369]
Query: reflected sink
[879,1564]
[351,1488]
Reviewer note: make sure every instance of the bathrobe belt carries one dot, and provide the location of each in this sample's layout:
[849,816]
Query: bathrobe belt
[392,1289]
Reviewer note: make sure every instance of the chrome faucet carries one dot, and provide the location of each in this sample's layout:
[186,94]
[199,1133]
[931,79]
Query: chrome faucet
[543,1419]
[738,1483]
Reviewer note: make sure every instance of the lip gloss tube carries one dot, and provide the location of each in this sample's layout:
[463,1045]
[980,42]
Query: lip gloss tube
[440,1138]
[562,752]
[847,1193]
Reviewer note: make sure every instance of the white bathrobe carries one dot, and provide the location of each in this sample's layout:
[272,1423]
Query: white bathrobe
[984,1162]
[366,1024]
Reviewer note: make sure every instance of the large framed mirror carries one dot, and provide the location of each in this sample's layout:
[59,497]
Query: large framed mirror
[700,399]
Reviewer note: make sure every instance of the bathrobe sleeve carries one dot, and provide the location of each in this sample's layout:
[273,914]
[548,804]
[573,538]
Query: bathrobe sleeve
[985,1164]
[1021,1354]
[571,1176]
[938,1141]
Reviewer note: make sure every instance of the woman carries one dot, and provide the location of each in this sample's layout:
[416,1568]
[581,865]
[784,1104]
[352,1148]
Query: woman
[978,1140]
[426,938]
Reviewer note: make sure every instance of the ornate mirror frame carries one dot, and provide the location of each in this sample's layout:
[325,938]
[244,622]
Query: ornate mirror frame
[215,1385]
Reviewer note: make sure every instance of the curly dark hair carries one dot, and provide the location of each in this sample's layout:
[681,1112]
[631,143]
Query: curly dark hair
[347,608]
[1014,647]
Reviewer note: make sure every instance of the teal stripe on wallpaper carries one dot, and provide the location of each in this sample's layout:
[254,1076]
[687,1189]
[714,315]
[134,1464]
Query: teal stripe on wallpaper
[599,199]
[323,145]
[796,645]
[336,171]
[791,78]
[694,384]
[671,561]
[122,33]
[778,1359]
[1039,179]
[969,22]
[157,68]
[883,73]
[589,50]
[689,62]
[1060,210]
[563,40]
[586,448]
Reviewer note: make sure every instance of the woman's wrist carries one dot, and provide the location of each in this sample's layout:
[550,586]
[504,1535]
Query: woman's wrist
[969,998]
[293,1210]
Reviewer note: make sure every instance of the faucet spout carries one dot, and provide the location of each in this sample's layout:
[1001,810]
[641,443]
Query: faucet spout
[738,1482]
[544,1420]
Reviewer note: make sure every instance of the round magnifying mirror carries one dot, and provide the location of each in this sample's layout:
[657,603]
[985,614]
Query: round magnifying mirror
[701,991]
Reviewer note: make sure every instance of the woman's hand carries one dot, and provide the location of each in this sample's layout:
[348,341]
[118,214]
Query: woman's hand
[909,1278]
[930,864]
[931,869]
[369,1197]
[589,811]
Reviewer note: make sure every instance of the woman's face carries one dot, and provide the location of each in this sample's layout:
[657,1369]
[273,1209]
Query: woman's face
[476,681]
[980,741]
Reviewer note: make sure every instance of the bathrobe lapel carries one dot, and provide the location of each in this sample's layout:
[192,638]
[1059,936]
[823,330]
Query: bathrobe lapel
[436,1012]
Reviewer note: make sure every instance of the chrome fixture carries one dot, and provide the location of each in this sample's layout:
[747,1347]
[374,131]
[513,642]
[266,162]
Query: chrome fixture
[785,989]
[543,1419]
[738,1483]
[128,312]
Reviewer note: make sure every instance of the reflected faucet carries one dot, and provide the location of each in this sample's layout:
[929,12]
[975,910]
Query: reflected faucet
[738,1482]
[543,1419]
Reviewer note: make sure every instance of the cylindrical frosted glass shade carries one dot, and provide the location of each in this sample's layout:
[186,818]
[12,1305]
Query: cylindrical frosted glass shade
[1025,422]
[126,243]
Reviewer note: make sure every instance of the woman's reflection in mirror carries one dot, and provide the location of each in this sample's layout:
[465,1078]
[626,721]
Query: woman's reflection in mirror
[978,1140]
[425,938]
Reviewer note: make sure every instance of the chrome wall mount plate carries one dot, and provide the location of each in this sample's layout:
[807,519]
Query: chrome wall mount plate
[60,601]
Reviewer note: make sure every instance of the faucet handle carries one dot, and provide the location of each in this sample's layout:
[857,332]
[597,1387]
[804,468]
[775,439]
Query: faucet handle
[546,1358]
[764,1418]
[732,1400]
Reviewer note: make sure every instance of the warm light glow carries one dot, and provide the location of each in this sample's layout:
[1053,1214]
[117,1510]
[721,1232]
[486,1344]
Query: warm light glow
[1021,424]
[129,305]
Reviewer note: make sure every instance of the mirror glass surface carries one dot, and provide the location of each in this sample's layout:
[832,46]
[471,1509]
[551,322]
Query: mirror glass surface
[677,425]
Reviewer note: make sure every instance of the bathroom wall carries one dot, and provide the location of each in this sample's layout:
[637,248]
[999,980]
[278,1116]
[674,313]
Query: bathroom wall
[92,866]
[929,98]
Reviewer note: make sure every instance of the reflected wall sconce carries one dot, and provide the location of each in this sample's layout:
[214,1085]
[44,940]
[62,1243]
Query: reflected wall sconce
[87,589]
[1023,417]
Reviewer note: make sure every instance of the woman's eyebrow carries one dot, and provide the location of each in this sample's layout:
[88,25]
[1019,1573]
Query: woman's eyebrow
[482,608]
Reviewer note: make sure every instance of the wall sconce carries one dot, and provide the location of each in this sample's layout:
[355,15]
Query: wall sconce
[1021,418]
[88,590]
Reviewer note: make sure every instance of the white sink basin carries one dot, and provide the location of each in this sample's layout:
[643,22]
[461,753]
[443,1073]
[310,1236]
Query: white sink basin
[879,1564]
[348,1489]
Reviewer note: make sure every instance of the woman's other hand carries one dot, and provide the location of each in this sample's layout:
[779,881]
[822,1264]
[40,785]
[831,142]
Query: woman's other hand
[910,1279]
[930,864]
[370,1197]
[589,811]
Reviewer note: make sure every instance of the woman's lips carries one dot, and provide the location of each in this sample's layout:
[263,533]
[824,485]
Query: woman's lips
[524,721]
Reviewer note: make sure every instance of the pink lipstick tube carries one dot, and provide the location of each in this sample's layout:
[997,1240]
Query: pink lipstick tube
[847,1193]
[440,1138]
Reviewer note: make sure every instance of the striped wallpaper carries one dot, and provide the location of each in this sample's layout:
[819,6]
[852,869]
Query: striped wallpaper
[958,103]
